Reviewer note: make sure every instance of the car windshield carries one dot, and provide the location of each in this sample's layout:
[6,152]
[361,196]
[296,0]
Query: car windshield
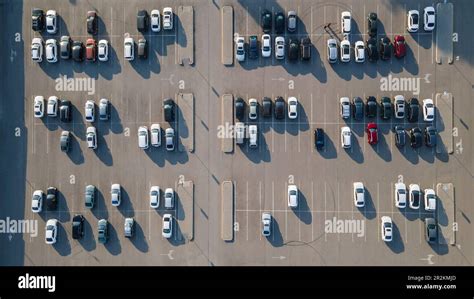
[402,191]
[292,192]
[416,197]
[346,50]
[360,190]
[415,19]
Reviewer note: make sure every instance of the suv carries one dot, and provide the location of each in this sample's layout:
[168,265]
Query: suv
[413,110]
[167,18]
[129,227]
[104,109]
[430,136]
[37,19]
[51,24]
[143,137]
[267,107]
[77,226]
[358,111]
[385,48]
[346,23]
[52,108]
[52,198]
[91,136]
[266,21]
[305,48]
[91,22]
[65,47]
[371,106]
[89,196]
[345,106]
[415,137]
[155,131]
[372,24]
[385,108]
[168,109]
[413,20]
[253,47]
[293,49]
[65,111]
[372,53]
[332,50]
[64,141]
[239,108]
[431,230]
[279,108]
[279,23]
[77,51]
[155,20]
[292,21]
[142,21]
[142,48]
[102,231]
[400,136]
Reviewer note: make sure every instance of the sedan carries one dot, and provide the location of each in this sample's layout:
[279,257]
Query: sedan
[155,20]
[240,49]
[51,233]
[430,136]
[385,108]
[89,196]
[292,196]
[91,21]
[167,229]
[266,45]
[104,109]
[267,107]
[143,137]
[154,197]
[400,195]
[103,50]
[279,23]
[253,109]
[52,198]
[399,103]
[292,21]
[431,230]
[142,20]
[429,18]
[292,108]
[387,230]
[155,130]
[413,21]
[266,224]
[129,227]
[253,139]
[415,137]
[91,50]
[169,198]
[279,108]
[400,47]
[346,137]
[415,196]
[266,21]
[372,52]
[167,18]
[345,51]
[319,138]
[64,141]
[293,49]
[385,48]
[279,47]
[51,22]
[115,195]
[169,138]
[89,111]
[358,110]
[400,136]
[371,106]
[102,231]
[37,201]
[372,24]
[65,47]
[413,110]
[52,109]
[39,106]
[51,50]
[372,133]
[77,226]
[332,50]
[359,51]
[91,137]
[428,110]
[430,200]
[77,51]
[359,194]
[239,108]
[37,49]
[345,107]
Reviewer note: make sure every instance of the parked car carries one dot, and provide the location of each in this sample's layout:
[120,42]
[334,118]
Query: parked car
[155,130]
[279,47]
[169,137]
[429,18]
[372,133]
[89,111]
[52,109]
[430,200]
[306,48]
[39,106]
[155,20]
[102,231]
[64,141]
[51,51]
[37,49]
[91,21]
[279,23]
[400,136]
[91,137]
[372,52]
[292,21]
[372,24]
[142,20]
[413,110]
[319,138]
[253,136]
[52,198]
[266,45]
[65,111]
[346,136]
[267,107]
[78,51]
[345,51]
[359,194]
[37,201]
[428,110]
[415,196]
[143,137]
[371,106]
[169,198]
[359,51]
[89,196]
[51,231]
[168,18]
[104,109]
[168,109]
[103,50]
[400,47]
[346,23]
[415,137]
[37,19]
[129,227]
[167,228]
[292,108]
[358,110]
[253,109]
[345,107]
[78,226]
[431,230]
[332,50]
[239,133]
[129,49]
[385,108]
[253,47]
[116,195]
[266,224]
[154,197]
[142,48]
[240,49]
[413,20]
[399,103]
[293,49]
[385,48]
[292,196]
[279,108]
[430,136]
[266,21]
[91,50]
[400,195]
[239,108]
[51,22]
[387,229]
[65,47]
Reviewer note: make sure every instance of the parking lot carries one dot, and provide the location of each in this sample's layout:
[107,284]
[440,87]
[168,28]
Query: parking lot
[285,153]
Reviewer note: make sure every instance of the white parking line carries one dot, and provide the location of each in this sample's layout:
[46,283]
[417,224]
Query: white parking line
[247,214]
[311,122]
[338,208]
[286,213]
[273,207]
[260,199]
[312,208]
[378,204]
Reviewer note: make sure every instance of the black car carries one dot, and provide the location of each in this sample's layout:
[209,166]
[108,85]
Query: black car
[142,48]
[371,107]
[267,107]
[77,226]
[385,108]
[400,136]
[168,108]
[372,52]
[416,137]
[358,110]
[293,49]
[372,24]
[65,111]
[431,230]
[142,20]
[37,19]
[279,108]
[385,48]
[266,21]
[279,23]
[64,141]
[240,109]
[413,110]
[430,136]
[253,47]
[305,48]
[319,138]
[78,51]
[65,47]
[52,198]
[91,22]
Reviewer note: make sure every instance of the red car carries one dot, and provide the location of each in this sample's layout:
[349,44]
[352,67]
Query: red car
[91,49]
[400,46]
[372,135]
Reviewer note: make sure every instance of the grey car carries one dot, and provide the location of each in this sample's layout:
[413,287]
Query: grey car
[430,136]
[89,196]
[65,47]
[64,141]
[102,231]
[266,224]
[292,21]
[358,109]
[129,227]
[104,109]
[169,137]
[400,135]
[431,230]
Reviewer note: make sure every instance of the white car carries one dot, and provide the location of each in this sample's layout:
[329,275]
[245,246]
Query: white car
[359,51]
[51,22]
[90,111]
[91,137]
[428,110]
[240,49]
[346,136]
[415,196]
[167,18]
[116,194]
[128,49]
[345,106]
[399,103]
[37,49]
[37,201]
[359,194]
[253,109]
[253,136]
[292,196]
[155,20]
[400,195]
[266,224]
[387,230]
[292,108]
[346,22]
[239,133]
[51,233]
[332,50]
[430,200]
[167,226]
[51,50]
[169,198]
[143,137]
[103,50]
[169,138]
[155,130]
[279,47]
[52,109]
[154,197]
[429,18]
[39,106]
[266,45]
[345,51]
[413,21]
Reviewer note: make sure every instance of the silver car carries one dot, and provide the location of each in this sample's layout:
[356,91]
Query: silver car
[169,198]
[103,50]
[37,49]
[292,21]
[266,224]
[91,137]
[332,50]
[253,109]
[129,227]
[279,47]
[169,137]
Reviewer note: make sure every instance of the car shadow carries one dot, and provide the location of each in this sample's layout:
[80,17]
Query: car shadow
[100,202]
[113,243]
[177,239]
[276,238]
[115,121]
[75,152]
[383,149]
[107,69]
[126,206]
[396,245]
[355,152]
[88,241]
[103,151]
[329,151]
[62,245]
[303,212]
[368,211]
[139,239]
